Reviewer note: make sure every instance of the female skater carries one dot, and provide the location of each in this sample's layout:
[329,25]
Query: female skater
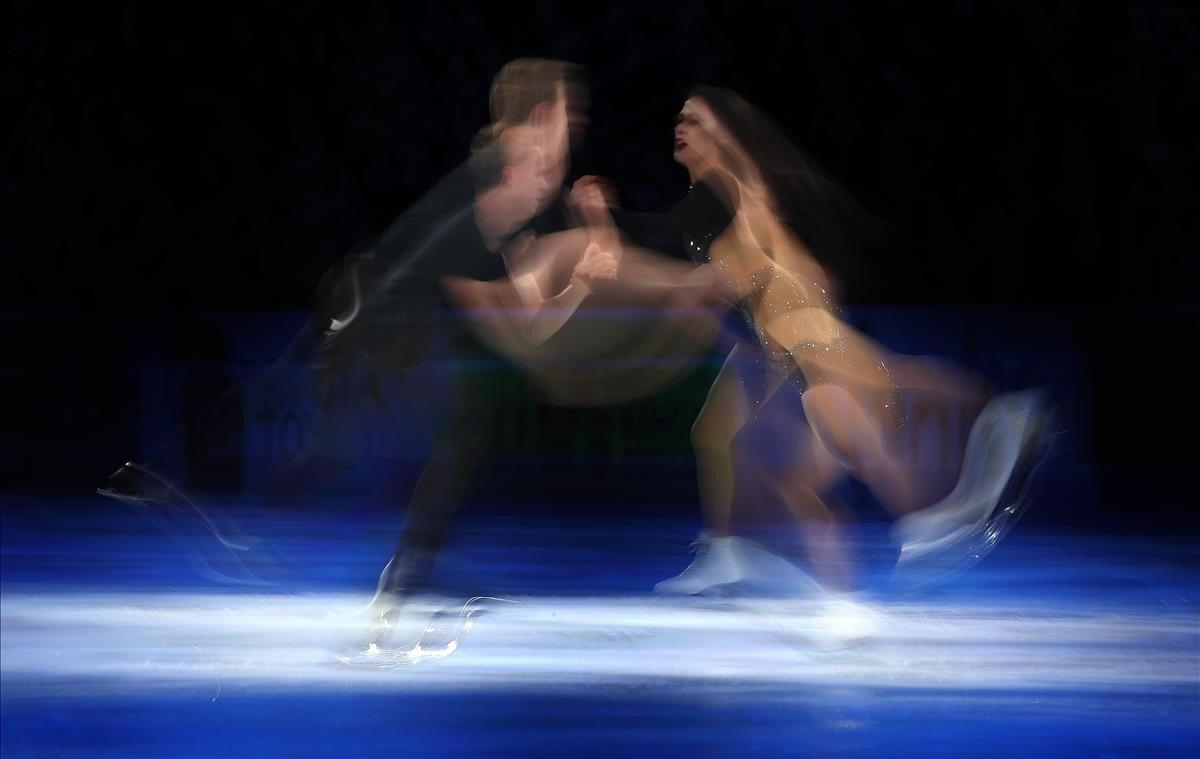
[774,262]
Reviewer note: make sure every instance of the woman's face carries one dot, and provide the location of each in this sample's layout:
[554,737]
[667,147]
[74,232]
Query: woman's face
[697,134]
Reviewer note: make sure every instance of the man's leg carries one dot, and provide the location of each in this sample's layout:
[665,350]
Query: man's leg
[462,439]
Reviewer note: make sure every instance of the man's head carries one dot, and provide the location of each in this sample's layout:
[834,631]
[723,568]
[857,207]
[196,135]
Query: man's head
[526,83]
[548,97]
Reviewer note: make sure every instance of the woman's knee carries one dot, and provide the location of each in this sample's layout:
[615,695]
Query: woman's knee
[840,425]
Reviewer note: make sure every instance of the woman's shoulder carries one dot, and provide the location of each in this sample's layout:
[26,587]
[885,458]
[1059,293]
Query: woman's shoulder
[721,185]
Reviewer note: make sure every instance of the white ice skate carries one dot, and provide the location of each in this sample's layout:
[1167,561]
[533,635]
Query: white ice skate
[768,575]
[1006,443]
[723,564]
[715,564]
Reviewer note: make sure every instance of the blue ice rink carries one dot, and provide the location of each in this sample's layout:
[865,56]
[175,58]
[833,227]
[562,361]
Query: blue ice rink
[1059,643]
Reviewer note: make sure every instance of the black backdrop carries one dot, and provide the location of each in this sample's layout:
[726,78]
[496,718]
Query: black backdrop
[187,157]
[172,158]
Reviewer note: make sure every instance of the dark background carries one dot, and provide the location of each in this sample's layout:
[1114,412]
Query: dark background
[167,160]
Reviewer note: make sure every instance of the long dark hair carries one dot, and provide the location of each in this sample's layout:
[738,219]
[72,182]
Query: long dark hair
[816,209]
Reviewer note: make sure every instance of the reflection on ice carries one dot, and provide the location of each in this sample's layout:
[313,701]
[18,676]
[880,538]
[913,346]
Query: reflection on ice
[53,642]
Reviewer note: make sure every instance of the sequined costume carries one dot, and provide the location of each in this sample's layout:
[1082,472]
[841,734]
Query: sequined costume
[787,303]
[687,229]
[788,311]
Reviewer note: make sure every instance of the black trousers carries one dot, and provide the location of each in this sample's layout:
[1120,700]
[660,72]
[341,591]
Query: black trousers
[464,436]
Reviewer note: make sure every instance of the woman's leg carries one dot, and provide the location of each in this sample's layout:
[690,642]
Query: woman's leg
[802,484]
[850,399]
[725,412]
